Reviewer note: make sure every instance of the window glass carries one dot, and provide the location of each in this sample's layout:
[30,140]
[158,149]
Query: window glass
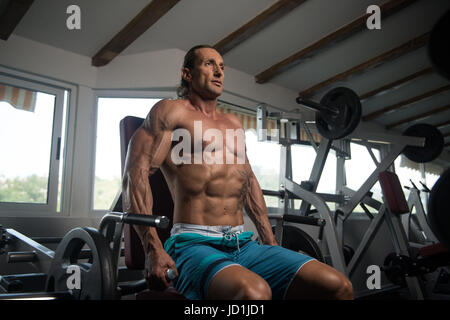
[107,156]
[26,143]
[264,158]
[303,157]
[408,176]
[327,182]
[359,168]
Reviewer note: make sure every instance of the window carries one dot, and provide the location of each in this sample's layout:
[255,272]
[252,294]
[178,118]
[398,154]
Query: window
[360,167]
[31,124]
[303,158]
[107,154]
[264,158]
[407,175]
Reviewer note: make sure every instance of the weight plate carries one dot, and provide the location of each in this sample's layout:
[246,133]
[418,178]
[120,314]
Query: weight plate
[439,46]
[396,267]
[299,241]
[340,125]
[434,143]
[97,276]
[439,210]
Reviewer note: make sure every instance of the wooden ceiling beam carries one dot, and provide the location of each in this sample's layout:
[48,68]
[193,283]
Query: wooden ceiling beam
[396,52]
[396,84]
[268,16]
[396,106]
[443,124]
[419,116]
[133,30]
[357,25]
[12,15]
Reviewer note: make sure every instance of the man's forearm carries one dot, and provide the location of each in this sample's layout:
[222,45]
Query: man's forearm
[256,209]
[138,199]
[264,228]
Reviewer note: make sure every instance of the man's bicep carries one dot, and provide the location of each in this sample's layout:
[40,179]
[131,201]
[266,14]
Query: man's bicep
[147,150]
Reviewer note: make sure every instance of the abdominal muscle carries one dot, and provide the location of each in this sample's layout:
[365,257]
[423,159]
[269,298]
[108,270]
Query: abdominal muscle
[207,194]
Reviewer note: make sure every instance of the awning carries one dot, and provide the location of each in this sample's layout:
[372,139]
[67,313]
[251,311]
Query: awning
[19,98]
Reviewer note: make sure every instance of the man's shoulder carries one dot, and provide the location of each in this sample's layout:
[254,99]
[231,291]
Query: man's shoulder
[166,111]
[168,106]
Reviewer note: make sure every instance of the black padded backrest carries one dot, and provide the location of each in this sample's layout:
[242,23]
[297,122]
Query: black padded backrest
[162,199]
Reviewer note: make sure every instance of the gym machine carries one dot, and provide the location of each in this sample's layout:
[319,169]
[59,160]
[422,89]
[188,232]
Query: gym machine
[418,222]
[94,252]
[421,143]
[337,115]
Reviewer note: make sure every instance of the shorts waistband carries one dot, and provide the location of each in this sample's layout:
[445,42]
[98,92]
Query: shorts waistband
[210,231]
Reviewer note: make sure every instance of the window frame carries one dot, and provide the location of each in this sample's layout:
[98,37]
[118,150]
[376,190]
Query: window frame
[119,94]
[49,208]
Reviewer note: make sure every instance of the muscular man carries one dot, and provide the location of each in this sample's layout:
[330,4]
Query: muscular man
[212,255]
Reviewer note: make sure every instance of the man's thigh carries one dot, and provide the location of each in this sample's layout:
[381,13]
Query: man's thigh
[196,265]
[318,280]
[275,264]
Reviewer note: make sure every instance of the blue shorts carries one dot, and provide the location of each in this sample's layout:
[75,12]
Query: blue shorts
[199,255]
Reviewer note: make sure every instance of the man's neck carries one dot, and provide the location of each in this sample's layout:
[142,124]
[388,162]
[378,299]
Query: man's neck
[207,107]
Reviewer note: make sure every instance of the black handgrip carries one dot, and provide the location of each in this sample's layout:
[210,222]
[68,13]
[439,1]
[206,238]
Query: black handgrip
[304,220]
[279,194]
[161,222]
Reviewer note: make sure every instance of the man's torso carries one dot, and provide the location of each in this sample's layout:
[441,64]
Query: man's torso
[209,185]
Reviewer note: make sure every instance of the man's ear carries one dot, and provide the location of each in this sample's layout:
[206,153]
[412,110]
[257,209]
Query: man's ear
[186,74]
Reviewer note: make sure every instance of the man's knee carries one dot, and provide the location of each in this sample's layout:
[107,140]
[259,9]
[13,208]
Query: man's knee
[254,290]
[341,287]
[238,283]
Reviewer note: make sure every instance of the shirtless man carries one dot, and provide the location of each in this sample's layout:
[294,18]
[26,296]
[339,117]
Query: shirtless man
[208,249]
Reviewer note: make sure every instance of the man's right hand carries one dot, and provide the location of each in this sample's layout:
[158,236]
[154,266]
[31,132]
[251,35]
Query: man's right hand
[156,265]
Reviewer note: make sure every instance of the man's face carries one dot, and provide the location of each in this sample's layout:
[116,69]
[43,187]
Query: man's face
[206,78]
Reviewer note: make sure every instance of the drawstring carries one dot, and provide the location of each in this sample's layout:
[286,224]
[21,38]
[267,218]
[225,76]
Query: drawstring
[228,235]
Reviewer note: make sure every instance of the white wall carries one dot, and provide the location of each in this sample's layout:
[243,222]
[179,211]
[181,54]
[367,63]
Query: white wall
[40,59]
[152,71]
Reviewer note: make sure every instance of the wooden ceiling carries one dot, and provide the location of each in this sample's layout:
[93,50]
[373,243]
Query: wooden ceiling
[405,110]
[11,12]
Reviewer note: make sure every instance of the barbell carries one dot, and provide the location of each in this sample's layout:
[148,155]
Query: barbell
[432,148]
[338,113]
